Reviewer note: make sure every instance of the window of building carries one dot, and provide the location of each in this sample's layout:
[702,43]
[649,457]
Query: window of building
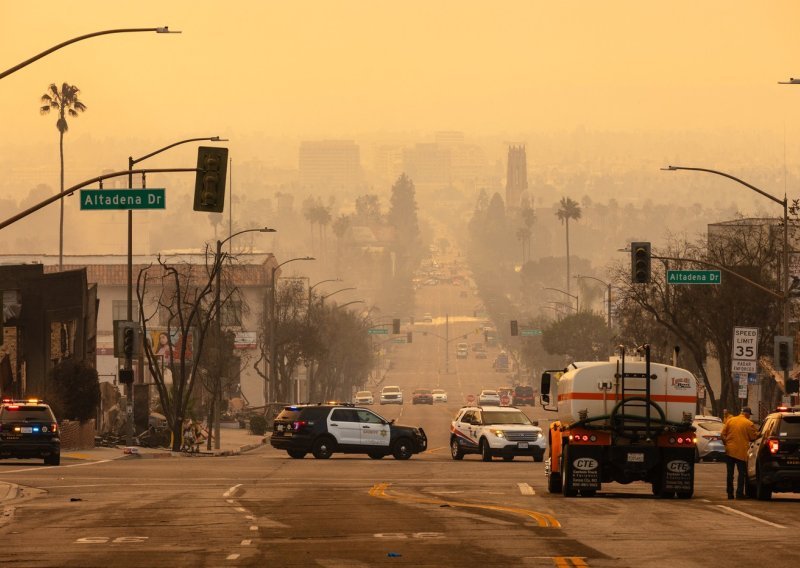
[232,313]
[119,309]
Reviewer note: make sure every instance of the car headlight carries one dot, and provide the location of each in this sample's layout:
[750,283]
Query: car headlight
[498,433]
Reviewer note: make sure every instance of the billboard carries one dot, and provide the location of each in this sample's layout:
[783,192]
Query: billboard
[159,340]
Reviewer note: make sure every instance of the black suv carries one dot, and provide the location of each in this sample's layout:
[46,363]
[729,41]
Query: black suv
[773,460]
[324,429]
[28,429]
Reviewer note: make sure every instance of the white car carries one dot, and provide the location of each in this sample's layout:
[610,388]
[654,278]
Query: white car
[493,431]
[439,395]
[427,318]
[364,397]
[488,396]
[391,395]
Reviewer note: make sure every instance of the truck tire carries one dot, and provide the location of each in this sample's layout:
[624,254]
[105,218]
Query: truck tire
[566,471]
[323,447]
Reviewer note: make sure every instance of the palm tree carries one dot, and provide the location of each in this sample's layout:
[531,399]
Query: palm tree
[568,209]
[66,102]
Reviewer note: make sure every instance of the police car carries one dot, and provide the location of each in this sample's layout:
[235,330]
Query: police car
[28,429]
[326,429]
[493,431]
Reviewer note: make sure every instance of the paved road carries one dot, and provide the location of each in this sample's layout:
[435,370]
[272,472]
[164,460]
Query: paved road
[262,508]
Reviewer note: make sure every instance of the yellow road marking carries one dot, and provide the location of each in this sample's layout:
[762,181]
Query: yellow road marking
[569,562]
[439,449]
[542,519]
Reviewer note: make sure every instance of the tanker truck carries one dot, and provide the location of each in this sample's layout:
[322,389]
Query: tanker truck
[620,421]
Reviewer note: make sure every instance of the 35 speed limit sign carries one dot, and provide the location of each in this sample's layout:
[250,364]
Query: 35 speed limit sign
[745,349]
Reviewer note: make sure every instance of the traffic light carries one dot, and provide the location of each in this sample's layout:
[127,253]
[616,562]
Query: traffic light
[396,325]
[783,353]
[640,263]
[409,337]
[514,328]
[127,342]
[209,185]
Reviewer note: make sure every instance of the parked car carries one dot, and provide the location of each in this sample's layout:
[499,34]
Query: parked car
[493,431]
[506,395]
[489,396]
[28,429]
[773,460]
[427,318]
[326,429]
[439,395]
[364,397]
[422,396]
[391,395]
[709,445]
[462,350]
[523,395]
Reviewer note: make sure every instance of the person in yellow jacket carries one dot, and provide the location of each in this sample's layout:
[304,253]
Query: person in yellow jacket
[737,433]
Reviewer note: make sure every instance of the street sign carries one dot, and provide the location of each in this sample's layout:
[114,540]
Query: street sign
[745,344]
[743,392]
[378,331]
[531,332]
[112,199]
[694,276]
[740,366]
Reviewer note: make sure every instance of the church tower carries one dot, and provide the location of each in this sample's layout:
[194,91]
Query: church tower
[516,176]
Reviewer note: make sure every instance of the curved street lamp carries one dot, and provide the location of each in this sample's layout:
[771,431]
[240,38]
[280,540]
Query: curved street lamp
[273,367]
[322,298]
[217,308]
[577,304]
[348,303]
[159,30]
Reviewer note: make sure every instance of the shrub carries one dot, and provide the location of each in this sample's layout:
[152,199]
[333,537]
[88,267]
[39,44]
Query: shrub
[258,425]
[74,390]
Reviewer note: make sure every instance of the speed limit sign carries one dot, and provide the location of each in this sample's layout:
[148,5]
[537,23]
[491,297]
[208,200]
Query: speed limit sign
[745,349]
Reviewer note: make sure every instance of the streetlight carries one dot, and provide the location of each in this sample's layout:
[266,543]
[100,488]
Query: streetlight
[273,367]
[159,30]
[785,204]
[608,285]
[322,298]
[577,304]
[217,397]
[310,288]
[348,303]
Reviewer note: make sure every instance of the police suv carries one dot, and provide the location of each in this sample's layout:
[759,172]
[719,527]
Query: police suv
[325,429]
[493,431]
[28,429]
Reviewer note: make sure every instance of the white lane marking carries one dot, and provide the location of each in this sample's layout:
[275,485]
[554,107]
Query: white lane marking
[254,528]
[230,501]
[766,522]
[230,492]
[246,542]
[240,509]
[232,557]
[526,489]
[250,517]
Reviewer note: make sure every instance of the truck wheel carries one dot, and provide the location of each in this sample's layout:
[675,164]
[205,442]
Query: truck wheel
[486,451]
[455,449]
[566,471]
[554,482]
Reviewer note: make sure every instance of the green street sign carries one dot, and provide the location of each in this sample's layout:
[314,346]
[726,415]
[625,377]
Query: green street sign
[110,199]
[378,331]
[531,332]
[694,276]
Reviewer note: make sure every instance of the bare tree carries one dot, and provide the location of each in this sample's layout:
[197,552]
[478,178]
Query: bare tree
[183,301]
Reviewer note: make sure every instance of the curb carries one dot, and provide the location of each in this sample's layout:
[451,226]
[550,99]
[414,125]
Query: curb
[205,454]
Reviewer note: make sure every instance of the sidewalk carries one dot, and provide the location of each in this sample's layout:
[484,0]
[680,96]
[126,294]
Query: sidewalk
[233,441]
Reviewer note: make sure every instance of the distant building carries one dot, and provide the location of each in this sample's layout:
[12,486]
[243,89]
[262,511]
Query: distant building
[330,163]
[516,176]
[428,163]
